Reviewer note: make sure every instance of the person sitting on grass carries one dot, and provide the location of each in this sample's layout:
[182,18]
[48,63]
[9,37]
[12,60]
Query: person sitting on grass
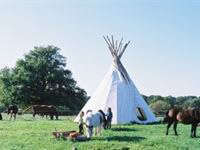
[81,131]
[109,118]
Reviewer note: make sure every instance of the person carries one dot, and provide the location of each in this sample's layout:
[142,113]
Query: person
[109,116]
[81,123]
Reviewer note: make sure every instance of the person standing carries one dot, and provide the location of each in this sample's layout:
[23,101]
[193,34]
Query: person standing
[109,116]
[81,131]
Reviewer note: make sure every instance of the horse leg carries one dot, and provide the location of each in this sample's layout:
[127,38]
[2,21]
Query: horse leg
[34,114]
[193,130]
[15,116]
[11,116]
[51,116]
[100,128]
[96,130]
[168,126]
[175,127]
[89,132]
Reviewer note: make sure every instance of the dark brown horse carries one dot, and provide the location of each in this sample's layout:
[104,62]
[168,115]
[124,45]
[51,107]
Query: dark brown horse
[44,110]
[12,110]
[1,118]
[185,116]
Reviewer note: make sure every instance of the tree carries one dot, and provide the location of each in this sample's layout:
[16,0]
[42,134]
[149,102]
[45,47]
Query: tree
[170,100]
[159,107]
[182,99]
[153,98]
[192,103]
[196,103]
[7,88]
[41,77]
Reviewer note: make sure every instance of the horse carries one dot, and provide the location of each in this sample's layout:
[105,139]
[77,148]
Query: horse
[1,118]
[94,120]
[44,110]
[12,110]
[185,116]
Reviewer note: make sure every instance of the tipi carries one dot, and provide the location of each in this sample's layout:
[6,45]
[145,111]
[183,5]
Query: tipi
[118,92]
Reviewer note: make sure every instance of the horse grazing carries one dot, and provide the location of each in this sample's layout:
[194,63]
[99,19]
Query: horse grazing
[185,116]
[45,110]
[12,110]
[94,120]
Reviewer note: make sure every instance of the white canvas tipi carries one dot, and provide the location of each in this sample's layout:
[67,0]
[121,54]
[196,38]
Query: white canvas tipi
[118,92]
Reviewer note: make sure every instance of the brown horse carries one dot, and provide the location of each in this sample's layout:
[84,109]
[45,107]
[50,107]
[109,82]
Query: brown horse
[185,116]
[12,110]
[43,110]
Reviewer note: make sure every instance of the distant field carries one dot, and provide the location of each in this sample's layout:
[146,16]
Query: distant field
[27,133]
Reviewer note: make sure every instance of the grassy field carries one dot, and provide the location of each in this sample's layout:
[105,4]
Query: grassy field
[27,133]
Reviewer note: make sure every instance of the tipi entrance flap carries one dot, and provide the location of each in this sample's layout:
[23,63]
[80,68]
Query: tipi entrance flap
[140,114]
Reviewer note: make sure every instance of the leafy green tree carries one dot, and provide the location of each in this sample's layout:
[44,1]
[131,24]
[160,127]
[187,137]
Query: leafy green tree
[41,77]
[160,107]
[196,103]
[192,103]
[182,99]
[7,88]
[170,100]
[153,98]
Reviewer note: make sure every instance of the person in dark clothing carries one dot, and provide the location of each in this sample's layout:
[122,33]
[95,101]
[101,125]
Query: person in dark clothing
[81,131]
[109,116]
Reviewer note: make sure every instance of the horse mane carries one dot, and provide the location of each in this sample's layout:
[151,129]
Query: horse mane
[104,116]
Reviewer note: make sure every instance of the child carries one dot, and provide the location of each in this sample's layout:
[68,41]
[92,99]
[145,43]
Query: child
[81,123]
[109,117]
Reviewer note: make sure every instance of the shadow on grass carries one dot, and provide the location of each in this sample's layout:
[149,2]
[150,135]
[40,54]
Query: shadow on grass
[125,138]
[120,138]
[173,135]
[151,123]
[123,129]
[39,119]
[28,120]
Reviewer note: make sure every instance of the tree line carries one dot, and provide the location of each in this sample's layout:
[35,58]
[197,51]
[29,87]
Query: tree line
[160,104]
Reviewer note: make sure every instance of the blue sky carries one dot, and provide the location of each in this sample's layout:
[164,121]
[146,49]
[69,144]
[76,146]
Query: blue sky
[162,59]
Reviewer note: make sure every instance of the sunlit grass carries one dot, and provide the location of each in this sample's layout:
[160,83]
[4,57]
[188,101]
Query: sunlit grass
[27,133]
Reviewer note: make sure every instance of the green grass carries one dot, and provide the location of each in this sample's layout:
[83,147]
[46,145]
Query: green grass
[27,133]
